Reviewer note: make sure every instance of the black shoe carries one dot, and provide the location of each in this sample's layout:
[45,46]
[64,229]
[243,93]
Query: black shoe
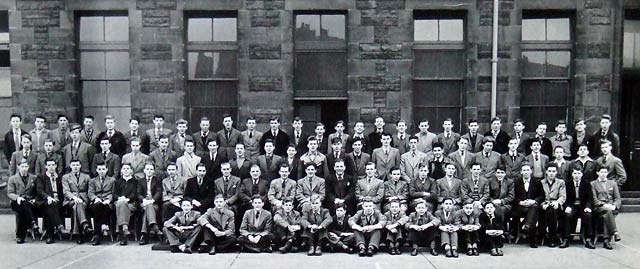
[564,243]
[494,252]
[284,249]
[448,253]
[87,231]
[454,253]
[144,240]
[267,250]
[249,249]
[20,240]
[552,243]
[434,252]
[175,249]
[589,244]
[470,252]
[414,252]
[500,253]
[362,252]
[311,251]
[533,245]
[370,252]
[187,250]
[397,247]
[475,252]
[80,240]
[607,245]
[95,240]
[212,251]
[318,251]
[50,240]
[616,237]
[124,241]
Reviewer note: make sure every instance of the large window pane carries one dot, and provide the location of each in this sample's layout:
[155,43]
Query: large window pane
[213,93]
[224,29]
[207,65]
[117,65]
[333,27]
[199,29]
[533,63]
[305,72]
[307,27]
[116,28]
[4,27]
[558,29]
[631,44]
[424,65]
[92,29]
[451,30]
[425,30]
[320,71]
[533,29]
[531,93]
[92,65]
[5,82]
[94,93]
[558,63]
[439,64]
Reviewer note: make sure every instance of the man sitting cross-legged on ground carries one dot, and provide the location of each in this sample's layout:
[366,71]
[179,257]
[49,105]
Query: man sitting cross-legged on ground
[218,226]
[182,229]
[315,222]
[341,235]
[421,228]
[287,227]
[367,224]
[394,229]
[255,230]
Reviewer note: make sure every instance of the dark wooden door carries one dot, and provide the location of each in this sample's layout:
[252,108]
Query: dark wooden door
[211,99]
[630,141]
[326,111]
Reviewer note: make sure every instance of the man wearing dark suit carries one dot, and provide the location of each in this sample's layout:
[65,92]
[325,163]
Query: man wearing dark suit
[335,154]
[134,133]
[281,189]
[606,204]
[474,139]
[585,164]
[401,138]
[520,136]
[450,187]
[48,153]
[183,229]
[501,137]
[279,138]
[475,188]
[448,138]
[162,156]
[613,164]
[255,185]
[88,133]
[313,157]
[212,159]
[293,161]
[60,135]
[339,127]
[21,193]
[24,152]
[49,195]
[13,137]
[385,157]
[502,193]
[578,205]
[255,230]
[118,142]
[357,159]
[228,137]
[422,228]
[367,225]
[150,195]
[112,161]
[512,160]
[286,227]
[75,186]
[321,137]
[462,158]
[269,162]
[78,150]
[395,190]
[219,226]
[202,137]
[340,188]
[529,196]
[423,189]
[341,237]
[315,222]
[546,147]
[100,194]
[298,137]
[580,137]
[125,198]
[251,139]
[200,189]
[437,161]
[152,136]
[604,134]
[176,141]
[375,136]
[228,185]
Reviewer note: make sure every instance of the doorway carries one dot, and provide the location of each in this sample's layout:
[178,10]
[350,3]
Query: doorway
[326,111]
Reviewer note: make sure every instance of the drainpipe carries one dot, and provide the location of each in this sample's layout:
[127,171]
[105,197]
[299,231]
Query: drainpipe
[494,61]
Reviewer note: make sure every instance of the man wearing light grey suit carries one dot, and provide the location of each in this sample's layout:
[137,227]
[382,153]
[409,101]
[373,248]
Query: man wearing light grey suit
[448,137]
[411,160]
[308,186]
[228,138]
[251,138]
[162,156]
[281,189]
[78,150]
[136,158]
[370,188]
[488,158]
[187,163]
[606,204]
[75,186]
[153,135]
[613,164]
[473,137]
[462,158]
[385,157]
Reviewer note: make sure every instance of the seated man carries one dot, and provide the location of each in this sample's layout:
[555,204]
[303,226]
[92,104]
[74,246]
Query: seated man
[255,185]
[315,222]
[423,189]
[21,192]
[340,187]
[606,203]
[448,228]
[150,195]
[200,189]
[172,191]
[340,233]
[469,222]
[421,229]
[308,186]
[282,188]
[255,230]
[370,187]
[75,186]
[450,187]
[529,195]
[219,226]
[287,227]
[555,195]
[125,197]
[182,229]
[578,205]
[396,190]
[100,197]
[475,188]
[228,186]
[501,193]
[367,224]
[492,229]
[394,228]
[49,196]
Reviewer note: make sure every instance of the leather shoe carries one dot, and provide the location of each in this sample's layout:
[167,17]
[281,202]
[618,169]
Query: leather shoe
[144,240]
[533,245]
[499,250]
[616,237]
[212,251]
[20,240]
[414,252]
[318,251]
[475,252]
[370,252]
[187,250]
[494,252]
[434,252]
[124,241]
[470,252]
[50,240]
[95,241]
[454,253]
[448,253]
[267,249]
[607,245]
[589,244]
[564,243]
[312,251]
[79,241]
[362,252]
[284,249]
[175,249]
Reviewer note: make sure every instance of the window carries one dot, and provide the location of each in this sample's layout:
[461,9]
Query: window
[5,62]
[439,68]
[631,44]
[546,68]
[212,66]
[104,65]
[320,68]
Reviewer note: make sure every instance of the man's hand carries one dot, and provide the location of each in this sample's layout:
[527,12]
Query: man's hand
[497,202]
[277,203]
[212,228]
[50,200]
[77,200]
[19,200]
[587,210]
[219,233]
[97,201]
[196,203]
[568,210]
[333,236]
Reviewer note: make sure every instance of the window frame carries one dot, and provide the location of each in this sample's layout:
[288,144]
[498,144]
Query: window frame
[210,46]
[6,48]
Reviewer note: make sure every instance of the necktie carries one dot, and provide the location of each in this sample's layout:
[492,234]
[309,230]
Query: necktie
[386,153]
[475,182]
[16,139]
[228,134]
[250,134]
[297,137]
[413,154]
[577,183]
[401,137]
[105,156]
[336,155]
[284,186]
[134,134]
[257,215]
[535,157]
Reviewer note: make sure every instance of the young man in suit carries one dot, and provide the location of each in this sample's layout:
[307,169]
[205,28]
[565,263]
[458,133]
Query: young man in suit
[385,157]
[562,139]
[255,230]
[298,137]
[613,164]
[78,150]
[421,229]
[177,140]
[394,227]
[251,138]
[555,196]
[24,152]
[321,138]
[118,142]
[292,161]
[335,153]
[152,136]
[462,158]
[448,137]
[529,195]
[218,226]
[401,138]
[75,186]
[241,165]
[340,134]
[537,161]
[48,153]
[340,234]
[49,196]
[279,137]
[606,204]
[502,193]
[425,138]
[111,160]
[367,225]
[340,188]
[487,158]
[604,134]
[287,227]
[281,189]
[423,189]
[13,138]
[150,195]
[437,161]
[136,158]
[513,159]
[584,163]
[315,222]
[201,137]
[396,190]
[21,193]
[269,162]
[450,187]
[370,188]
[182,230]
[100,194]
[162,156]
[60,135]
[125,198]
[376,135]
[467,219]
[88,133]
[228,185]
[229,137]
[501,137]
[561,163]
[186,163]
[474,139]
[522,138]
[475,188]
[200,189]
[308,186]
[255,185]
[578,205]
[448,228]
[411,160]
[212,159]
[580,137]
[172,192]
[358,134]
[313,157]
[356,160]
[492,229]
[134,132]
[545,144]
[39,133]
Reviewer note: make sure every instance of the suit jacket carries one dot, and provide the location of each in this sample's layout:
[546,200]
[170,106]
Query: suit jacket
[615,168]
[451,143]
[474,146]
[401,144]
[318,159]
[282,221]
[409,164]
[118,143]
[608,194]
[373,190]
[245,190]
[38,141]
[374,141]
[489,223]
[502,141]
[425,141]
[294,165]
[89,137]
[309,218]
[427,217]
[10,146]
[417,188]
[401,219]
[204,193]
[596,141]
[102,189]
[128,136]
[463,219]
[546,147]
[75,187]
[84,154]
[137,162]
[277,192]
[41,165]
[223,219]
[16,158]
[339,226]
[241,171]
[186,165]
[17,188]
[575,144]
[544,160]
[44,189]
[463,169]
[503,190]
[400,190]
[251,225]
[483,190]
[361,219]
[128,189]
[269,170]
[301,144]
[113,163]
[175,190]
[366,147]
[59,138]
[454,192]
[555,191]
[322,144]
[201,143]
[331,161]
[522,144]
[150,140]
[584,194]
[536,191]
[512,166]
[357,168]
[183,219]
[488,164]
[156,189]
[228,146]
[176,143]
[252,144]
[309,186]
[161,162]
[383,162]
[449,220]
[588,169]
[344,189]
[344,137]
[213,166]
[281,142]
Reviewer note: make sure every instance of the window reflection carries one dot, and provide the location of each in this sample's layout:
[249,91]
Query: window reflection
[320,28]
[208,65]
[631,44]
